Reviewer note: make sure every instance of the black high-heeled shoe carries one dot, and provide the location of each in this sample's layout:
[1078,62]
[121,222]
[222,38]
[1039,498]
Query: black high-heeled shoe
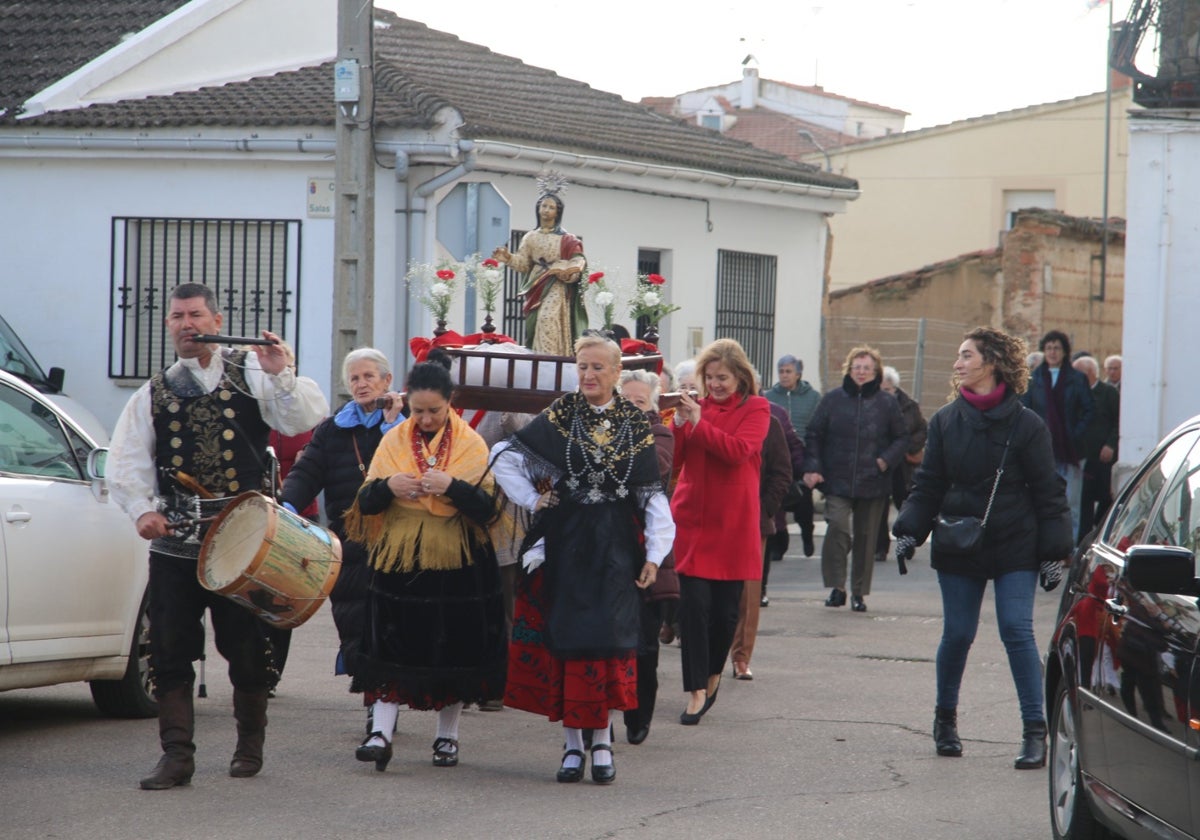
[445,752]
[570,774]
[603,774]
[380,755]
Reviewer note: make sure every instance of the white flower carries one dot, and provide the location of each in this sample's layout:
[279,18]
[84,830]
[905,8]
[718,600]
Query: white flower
[651,298]
[490,275]
[439,290]
[604,298]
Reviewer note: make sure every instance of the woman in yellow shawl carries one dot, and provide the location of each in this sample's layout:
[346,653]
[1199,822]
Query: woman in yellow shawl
[435,635]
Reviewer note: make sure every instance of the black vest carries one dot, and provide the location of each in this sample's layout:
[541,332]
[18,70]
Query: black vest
[217,438]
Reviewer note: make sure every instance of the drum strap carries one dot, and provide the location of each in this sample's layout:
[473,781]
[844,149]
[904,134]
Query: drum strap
[362,467]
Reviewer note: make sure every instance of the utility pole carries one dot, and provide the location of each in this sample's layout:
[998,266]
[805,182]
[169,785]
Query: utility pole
[354,185]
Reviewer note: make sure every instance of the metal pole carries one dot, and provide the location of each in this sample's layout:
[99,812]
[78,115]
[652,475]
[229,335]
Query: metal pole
[919,364]
[354,188]
[1107,155]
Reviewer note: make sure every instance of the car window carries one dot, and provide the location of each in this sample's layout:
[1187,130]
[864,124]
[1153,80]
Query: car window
[1131,515]
[1177,519]
[32,441]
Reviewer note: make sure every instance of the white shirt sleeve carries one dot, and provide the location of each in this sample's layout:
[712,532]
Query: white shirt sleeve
[508,465]
[660,528]
[130,469]
[290,404]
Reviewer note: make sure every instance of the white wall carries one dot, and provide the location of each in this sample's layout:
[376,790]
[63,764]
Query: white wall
[55,277]
[1158,388]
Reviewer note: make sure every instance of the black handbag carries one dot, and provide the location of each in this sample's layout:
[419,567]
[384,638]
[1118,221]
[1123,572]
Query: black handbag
[795,494]
[964,534]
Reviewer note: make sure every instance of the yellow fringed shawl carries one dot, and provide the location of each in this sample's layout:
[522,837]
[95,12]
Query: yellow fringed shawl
[427,532]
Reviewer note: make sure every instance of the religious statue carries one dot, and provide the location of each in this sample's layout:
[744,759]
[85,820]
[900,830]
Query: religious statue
[553,262]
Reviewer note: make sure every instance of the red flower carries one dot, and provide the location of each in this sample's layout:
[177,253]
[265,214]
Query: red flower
[445,274]
[595,276]
[656,279]
[491,263]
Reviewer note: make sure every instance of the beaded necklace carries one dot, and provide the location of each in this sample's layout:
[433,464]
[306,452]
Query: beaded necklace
[594,474]
[425,462]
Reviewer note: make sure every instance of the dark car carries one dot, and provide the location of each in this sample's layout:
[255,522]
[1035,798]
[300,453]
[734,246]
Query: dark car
[1122,683]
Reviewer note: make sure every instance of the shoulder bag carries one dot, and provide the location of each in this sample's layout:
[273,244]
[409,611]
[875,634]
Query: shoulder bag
[964,534]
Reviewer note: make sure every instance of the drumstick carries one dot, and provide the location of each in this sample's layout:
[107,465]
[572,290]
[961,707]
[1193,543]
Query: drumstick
[192,484]
[204,338]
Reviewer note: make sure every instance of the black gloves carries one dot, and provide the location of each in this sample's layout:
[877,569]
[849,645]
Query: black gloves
[1050,574]
[905,548]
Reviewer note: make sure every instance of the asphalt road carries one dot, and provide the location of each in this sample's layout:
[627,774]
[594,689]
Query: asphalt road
[830,740]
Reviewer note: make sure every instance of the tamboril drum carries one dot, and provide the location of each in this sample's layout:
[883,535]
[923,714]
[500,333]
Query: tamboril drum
[278,565]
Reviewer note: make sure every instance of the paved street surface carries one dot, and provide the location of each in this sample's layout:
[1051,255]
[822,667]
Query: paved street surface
[830,740]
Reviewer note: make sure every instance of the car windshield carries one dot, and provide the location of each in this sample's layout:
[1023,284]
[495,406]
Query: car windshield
[16,359]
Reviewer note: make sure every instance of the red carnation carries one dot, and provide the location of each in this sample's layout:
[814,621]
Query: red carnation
[491,263]
[595,276]
[445,274]
[656,279]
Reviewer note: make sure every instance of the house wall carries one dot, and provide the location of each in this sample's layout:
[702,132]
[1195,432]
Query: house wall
[930,194]
[56,272]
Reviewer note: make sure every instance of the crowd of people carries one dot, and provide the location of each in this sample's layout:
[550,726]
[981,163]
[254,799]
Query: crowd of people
[541,565]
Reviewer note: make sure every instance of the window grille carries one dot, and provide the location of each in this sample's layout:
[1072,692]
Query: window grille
[514,322]
[746,304]
[649,262]
[253,266]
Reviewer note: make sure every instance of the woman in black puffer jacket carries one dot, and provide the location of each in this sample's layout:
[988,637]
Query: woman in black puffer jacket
[1029,524]
[335,463]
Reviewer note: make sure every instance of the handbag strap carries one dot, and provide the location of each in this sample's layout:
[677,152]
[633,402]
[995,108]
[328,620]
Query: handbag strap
[999,471]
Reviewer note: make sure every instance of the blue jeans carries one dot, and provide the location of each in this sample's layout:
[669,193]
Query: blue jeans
[962,598]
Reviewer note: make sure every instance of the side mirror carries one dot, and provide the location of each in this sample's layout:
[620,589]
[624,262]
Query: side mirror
[1165,569]
[55,377]
[96,463]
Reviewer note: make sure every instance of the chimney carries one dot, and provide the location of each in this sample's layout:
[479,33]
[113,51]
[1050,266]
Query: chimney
[749,97]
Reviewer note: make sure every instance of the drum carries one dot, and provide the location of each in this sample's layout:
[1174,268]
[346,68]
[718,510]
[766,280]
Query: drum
[278,565]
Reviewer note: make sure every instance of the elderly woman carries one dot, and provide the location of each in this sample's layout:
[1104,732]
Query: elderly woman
[435,636]
[988,457]
[335,463]
[586,470]
[718,440]
[855,440]
[640,387]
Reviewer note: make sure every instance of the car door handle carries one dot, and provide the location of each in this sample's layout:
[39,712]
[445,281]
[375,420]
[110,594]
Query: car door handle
[1116,608]
[18,516]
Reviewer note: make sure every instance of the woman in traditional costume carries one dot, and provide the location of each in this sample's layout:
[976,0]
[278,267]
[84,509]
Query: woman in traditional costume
[586,469]
[552,261]
[435,635]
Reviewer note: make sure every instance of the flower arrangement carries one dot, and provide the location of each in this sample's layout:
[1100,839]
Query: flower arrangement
[602,296]
[648,300]
[488,278]
[433,287]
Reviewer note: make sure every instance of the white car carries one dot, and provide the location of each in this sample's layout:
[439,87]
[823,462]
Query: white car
[73,570]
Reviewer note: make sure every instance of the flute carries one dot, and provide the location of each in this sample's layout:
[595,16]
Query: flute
[230,339]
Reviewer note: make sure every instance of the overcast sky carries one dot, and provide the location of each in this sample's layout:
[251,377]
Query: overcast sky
[939,60]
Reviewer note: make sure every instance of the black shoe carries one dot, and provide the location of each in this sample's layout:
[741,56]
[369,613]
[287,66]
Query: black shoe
[635,735]
[837,598]
[710,699]
[571,774]
[445,752]
[1033,747]
[809,548]
[603,774]
[380,755]
[857,603]
[945,732]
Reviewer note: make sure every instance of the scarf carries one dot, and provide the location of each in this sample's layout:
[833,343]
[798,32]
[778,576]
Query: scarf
[1056,416]
[427,532]
[985,402]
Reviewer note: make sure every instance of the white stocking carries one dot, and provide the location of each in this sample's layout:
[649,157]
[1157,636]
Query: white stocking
[574,742]
[384,716]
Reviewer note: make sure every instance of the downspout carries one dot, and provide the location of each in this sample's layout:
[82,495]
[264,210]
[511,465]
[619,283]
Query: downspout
[403,247]
[417,321]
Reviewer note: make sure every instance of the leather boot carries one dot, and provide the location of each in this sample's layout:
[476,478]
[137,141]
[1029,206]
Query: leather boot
[1033,748]
[176,728]
[945,732]
[250,711]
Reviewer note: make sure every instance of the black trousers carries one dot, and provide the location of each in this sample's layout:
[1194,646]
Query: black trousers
[177,605]
[647,666]
[708,615]
[1095,495]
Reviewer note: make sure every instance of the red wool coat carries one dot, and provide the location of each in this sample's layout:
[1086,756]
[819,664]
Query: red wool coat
[716,502]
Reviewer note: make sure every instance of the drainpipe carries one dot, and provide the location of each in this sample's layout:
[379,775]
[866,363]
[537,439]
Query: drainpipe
[416,321]
[399,350]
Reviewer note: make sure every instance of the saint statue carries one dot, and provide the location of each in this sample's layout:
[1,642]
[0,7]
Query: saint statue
[553,263]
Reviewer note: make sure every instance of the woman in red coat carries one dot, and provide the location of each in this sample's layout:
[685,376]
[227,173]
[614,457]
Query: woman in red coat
[718,440]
